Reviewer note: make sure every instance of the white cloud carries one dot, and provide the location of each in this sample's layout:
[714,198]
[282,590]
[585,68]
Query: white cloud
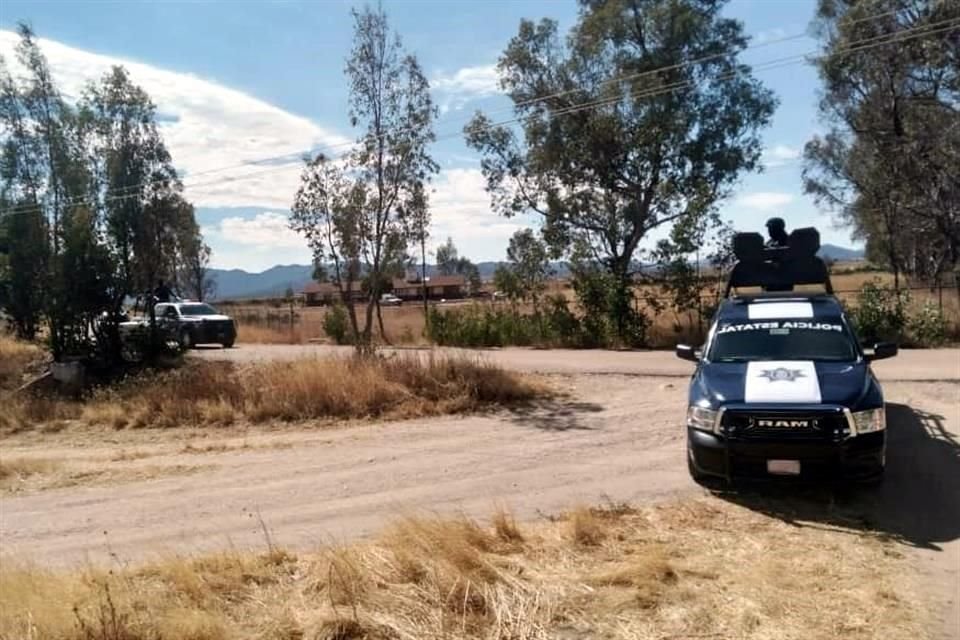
[460,208]
[763,200]
[460,87]
[779,155]
[268,229]
[206,126]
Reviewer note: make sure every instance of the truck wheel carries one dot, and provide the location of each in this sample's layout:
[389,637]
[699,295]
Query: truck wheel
[228,344]
[186,340]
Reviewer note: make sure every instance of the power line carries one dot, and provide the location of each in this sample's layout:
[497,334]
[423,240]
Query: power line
[571,109]
[857,46]
[131,188]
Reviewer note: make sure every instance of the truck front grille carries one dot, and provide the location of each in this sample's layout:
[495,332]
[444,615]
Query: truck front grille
[822,425]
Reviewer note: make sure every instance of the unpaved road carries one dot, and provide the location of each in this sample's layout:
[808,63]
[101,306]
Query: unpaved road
[616,436]
[919,365]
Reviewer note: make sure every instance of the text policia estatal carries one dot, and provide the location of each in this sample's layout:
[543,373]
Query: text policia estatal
[798,324]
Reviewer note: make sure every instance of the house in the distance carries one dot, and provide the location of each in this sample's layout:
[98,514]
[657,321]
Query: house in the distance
[438,287]
[320,293]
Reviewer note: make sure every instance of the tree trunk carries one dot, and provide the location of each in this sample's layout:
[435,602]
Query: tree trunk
[423,279]
[383,333]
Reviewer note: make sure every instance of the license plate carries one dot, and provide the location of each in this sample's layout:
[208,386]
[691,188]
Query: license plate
[784,467]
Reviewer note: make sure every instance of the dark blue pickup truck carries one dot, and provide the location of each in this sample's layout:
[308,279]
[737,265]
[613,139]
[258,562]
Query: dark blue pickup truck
[782,384]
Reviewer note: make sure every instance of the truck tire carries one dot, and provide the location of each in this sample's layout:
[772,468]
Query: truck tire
[228,343]
[186,340]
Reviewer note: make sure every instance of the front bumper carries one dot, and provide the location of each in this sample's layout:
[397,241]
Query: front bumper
[219,332]
[858,457]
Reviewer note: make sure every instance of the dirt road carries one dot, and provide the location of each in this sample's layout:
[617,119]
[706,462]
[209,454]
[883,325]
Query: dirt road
[911,364]
[616,436]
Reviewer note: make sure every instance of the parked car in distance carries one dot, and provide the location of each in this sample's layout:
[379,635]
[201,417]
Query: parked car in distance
[390,300]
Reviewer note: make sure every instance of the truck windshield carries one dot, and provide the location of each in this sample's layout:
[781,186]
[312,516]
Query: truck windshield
[197,310]
[822,339]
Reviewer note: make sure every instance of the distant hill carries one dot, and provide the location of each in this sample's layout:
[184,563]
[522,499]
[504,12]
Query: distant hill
[237,283]
[272,283]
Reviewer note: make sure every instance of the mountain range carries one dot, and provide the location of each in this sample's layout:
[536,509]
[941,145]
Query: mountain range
[235,284]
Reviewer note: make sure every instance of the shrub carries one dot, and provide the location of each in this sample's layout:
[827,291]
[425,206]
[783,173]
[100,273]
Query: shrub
[881,313]
[928,326]
[336,324]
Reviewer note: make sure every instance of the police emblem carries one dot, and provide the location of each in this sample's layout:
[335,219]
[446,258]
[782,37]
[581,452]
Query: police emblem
[781,373]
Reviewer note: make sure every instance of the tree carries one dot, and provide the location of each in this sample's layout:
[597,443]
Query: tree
[448,258]
[643,118]
[887,165]
[45,179]
[358,210]
[147,223]
[451,263]
[194,267]
[529,261]
[93,210]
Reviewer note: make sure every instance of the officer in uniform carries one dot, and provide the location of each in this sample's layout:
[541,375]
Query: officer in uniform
[162,292]
[777,230]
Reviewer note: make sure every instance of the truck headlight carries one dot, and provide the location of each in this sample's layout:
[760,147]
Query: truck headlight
[870,420]
[701,418]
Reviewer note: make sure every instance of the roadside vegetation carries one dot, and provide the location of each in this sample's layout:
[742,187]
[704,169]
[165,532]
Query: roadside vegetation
[701,568]
[16,358]
[211,394]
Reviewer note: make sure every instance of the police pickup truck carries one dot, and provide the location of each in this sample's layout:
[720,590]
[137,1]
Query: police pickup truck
[782,385]
[186,323]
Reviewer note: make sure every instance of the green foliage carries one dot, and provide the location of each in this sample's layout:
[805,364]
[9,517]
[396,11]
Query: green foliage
[450,263]
[358,214]
[638,160]
[880,313]
[610,314]
[884,314]
[336,324]
[94,211]
[887,164]
[928,326]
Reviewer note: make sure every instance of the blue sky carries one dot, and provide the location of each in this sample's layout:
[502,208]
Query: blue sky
[245,80]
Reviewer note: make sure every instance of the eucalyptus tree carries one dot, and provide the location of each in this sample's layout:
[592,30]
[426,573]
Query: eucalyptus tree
[355,210]
[644,116]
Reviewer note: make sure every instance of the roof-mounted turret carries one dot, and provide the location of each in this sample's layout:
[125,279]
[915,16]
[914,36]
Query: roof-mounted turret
[778,268]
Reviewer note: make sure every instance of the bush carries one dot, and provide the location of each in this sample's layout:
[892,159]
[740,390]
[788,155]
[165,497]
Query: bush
[928,327]
[336,324]
[881,313]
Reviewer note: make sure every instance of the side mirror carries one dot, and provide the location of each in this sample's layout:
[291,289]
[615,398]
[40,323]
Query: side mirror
[880,351]
[686,352]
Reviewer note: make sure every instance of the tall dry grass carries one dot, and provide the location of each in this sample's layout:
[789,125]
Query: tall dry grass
[694,569]
[15,358]
[202,394]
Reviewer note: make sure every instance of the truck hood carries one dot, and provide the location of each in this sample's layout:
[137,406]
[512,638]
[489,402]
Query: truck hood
[848,384]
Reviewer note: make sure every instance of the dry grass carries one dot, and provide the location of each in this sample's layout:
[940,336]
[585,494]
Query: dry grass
[15,471]
[704,568]
[215,394]
[250,333]
[15,357]
[28,474]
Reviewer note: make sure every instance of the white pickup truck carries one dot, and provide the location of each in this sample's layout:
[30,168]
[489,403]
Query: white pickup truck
[187,323]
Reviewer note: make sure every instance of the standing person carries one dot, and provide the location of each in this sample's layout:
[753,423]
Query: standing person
[162,292]
[777,230]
